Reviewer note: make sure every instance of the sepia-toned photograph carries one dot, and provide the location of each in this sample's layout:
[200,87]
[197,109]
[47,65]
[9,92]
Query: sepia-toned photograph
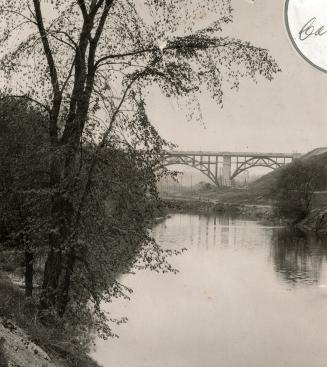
[163,183]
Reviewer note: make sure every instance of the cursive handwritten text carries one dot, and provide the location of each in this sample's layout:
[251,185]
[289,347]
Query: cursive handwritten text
[310,29]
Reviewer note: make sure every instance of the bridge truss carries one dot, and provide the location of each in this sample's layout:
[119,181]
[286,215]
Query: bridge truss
[222,167]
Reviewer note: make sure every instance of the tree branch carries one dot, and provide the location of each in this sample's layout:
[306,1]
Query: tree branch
[82,6]
[174,47]
[99,147]
[53,73]
[95,6]
[130,53]
[102,21]
[68,77]
[94,41]
[68,36]
[46,46]
[62,41]
[22,15]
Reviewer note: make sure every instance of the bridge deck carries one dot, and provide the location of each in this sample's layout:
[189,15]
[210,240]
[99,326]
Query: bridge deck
[232,154]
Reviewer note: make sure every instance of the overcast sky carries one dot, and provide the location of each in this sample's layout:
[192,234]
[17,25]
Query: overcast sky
[286,115]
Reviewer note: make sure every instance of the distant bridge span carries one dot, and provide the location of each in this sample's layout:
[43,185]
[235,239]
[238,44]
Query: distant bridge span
[222,167]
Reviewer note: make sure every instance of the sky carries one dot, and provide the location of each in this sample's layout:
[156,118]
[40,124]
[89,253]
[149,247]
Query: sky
[285,115]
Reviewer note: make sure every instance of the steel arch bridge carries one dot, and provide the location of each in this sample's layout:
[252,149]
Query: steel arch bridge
[222,167]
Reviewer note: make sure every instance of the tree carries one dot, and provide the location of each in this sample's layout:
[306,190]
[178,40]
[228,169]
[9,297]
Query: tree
[295,187]
[23,178]
[88,64]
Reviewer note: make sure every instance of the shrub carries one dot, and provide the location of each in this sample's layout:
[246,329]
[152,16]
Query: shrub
[295,187]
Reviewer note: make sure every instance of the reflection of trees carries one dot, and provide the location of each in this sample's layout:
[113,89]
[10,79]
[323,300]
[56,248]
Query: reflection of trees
[223,220]
[297,256]
[224,223]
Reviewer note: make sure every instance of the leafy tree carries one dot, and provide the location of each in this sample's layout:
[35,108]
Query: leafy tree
[113,236]
[88,64]
[295,187]
[23,178]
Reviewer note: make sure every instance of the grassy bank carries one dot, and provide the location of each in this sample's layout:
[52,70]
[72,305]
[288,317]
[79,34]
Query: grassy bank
[223,195]
[254,202]
[65,344]
[210,206]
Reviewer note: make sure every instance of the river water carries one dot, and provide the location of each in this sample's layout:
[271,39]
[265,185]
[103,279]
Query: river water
[246,295]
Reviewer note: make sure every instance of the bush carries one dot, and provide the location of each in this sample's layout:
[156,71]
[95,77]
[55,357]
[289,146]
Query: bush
[60,340]
[295,187]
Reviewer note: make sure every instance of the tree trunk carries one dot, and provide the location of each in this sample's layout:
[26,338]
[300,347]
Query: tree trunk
[64,285]
[61,217]
[29,273]
[58,269]
[51,276]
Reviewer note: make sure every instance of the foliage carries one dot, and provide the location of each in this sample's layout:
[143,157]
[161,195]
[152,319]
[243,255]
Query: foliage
[24,182]
[113,235]
[295,187]
[88,64]
[205,187]
[23,175]
[64,344]
[3,359]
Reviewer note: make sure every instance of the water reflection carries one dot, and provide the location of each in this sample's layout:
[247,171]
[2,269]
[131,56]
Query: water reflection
[246,295]
[207,232]
[298,256]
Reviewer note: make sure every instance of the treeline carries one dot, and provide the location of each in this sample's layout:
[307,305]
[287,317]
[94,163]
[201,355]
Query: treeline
[112,207]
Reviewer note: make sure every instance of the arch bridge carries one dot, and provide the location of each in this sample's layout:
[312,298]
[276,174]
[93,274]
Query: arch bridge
[222,167]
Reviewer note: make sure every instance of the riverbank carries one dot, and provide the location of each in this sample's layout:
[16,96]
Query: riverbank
[316,221]
[17,349]
[26,342]
[211,206]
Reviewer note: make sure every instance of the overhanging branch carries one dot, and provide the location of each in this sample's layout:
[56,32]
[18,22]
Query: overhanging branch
[173,47]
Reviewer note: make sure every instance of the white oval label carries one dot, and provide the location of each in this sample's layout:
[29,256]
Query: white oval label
[306,22]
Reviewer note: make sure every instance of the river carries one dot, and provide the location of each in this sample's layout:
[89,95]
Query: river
[247,295]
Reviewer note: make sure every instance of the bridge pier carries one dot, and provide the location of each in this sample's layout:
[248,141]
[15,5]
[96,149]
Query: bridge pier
[227,170]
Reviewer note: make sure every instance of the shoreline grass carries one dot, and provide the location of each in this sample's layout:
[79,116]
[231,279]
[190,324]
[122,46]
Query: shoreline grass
[55,338]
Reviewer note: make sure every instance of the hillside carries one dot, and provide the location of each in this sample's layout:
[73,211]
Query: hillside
[265,183]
